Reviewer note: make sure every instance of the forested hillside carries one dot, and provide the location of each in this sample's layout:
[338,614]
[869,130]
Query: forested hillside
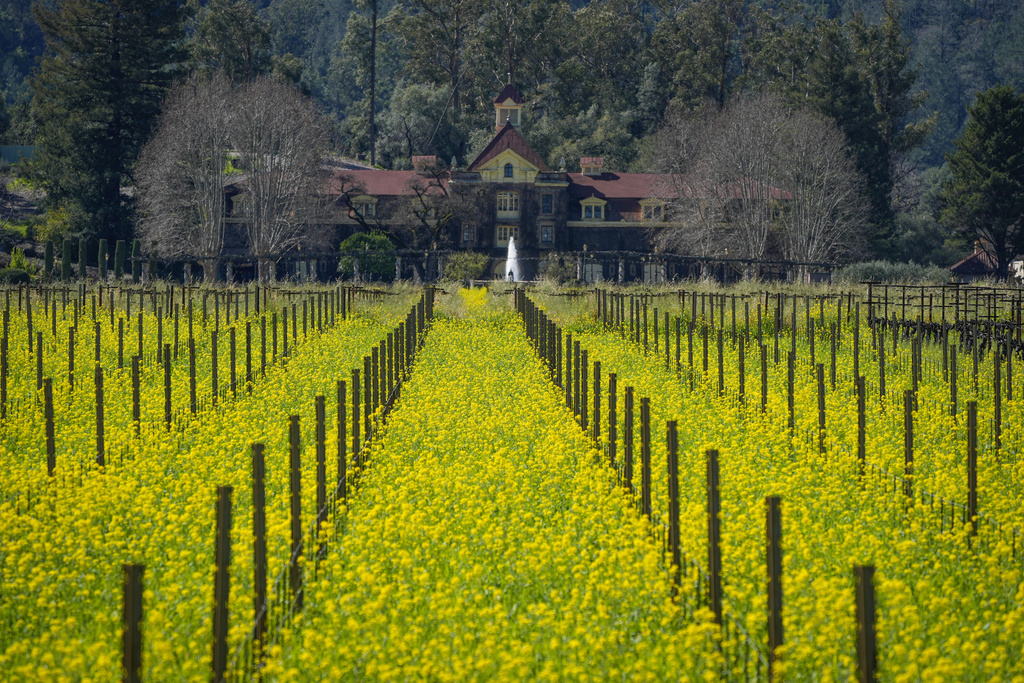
[600,76]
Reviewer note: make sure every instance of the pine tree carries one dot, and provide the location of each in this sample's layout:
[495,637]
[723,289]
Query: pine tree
[97,92]
[985,198]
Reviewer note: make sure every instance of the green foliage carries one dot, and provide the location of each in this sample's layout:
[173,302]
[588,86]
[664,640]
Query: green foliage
[20,262]
[232,38]
[985,196]
[891,273]
[466,265]
[367,248]
[557,268]
[54,225]
[14,276]
[65,261]
[95,112]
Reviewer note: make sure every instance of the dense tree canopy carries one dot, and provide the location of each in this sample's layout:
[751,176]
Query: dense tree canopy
[985,196]
[403,77]
[97,94]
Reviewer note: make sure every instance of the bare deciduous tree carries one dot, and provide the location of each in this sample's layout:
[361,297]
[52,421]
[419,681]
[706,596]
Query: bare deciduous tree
[825,210]
[182,172]
[759,176]
[281,139]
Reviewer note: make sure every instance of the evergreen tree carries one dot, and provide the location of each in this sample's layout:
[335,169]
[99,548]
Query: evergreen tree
[98,90]
[985,198]
[839,90]
[232,38]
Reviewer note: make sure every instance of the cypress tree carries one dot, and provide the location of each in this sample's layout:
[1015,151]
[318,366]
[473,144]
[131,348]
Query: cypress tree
[65,261]
[83,258]
[102,260]
[48,261]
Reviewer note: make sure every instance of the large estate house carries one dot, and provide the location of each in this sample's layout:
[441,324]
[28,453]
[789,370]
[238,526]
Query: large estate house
[508,191]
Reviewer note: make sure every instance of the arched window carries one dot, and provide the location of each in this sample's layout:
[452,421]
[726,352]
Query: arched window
[508,171]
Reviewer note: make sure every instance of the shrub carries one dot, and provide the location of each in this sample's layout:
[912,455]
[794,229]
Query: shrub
[371,261]
[466,265]
[891,273]
[14,276]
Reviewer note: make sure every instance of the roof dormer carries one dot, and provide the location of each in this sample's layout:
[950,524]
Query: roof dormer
[592,165]
[508,108]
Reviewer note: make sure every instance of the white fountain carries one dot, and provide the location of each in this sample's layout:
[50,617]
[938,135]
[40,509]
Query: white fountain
[512,262]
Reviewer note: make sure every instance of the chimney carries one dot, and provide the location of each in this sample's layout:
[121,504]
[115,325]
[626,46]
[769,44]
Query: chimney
[592,165]
[424,164]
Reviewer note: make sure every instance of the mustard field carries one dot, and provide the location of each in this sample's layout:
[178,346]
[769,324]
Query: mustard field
[479,485]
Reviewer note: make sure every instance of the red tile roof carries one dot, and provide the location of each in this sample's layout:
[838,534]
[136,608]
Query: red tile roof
[379,183]
[620,186]
[509,92]
[509,137]
[978,263]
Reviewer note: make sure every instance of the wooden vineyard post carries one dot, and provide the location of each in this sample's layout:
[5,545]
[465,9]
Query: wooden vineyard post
[100,458]
[321,467]
[997,400]
[597,401]
[120,343]
[341,492]
[221,583]
[613,428]
[3,374]
[881,371]
[832,370]
[214,388]
[952,382]
[131,621]
[820,371]
[167,386]
[721,365]
[861,425]
[294,571]
[679,339]
[773,525]
[764,378]
[645,456]
[71,358]
[583,403]
[51,448]
[672,441]
[908,445]
[231,347]
[790,389]
[668,344]
[367,394]
[192,374]
[866,656]
[355,418]
[136,389]
[972,465]
[259,546]
[714,539]
[575,404]
[627,442]
[39,361]
[743,370]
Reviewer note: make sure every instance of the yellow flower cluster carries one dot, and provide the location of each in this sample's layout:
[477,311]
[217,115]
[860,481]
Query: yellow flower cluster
[61,552]
[949,605]
[487,543]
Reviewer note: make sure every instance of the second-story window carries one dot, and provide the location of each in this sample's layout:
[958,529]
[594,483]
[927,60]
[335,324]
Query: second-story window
[508,202]
[547,204]
[509,171]
[366,209]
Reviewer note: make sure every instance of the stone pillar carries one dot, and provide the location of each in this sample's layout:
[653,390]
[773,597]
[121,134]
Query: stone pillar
[398,268]
[230,275]
[187,270]
[622,270]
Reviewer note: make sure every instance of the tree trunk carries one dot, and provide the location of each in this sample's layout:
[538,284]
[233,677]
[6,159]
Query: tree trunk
[209,270]
[267,269]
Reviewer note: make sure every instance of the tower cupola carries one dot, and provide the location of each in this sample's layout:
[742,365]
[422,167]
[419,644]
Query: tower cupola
[508,108]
